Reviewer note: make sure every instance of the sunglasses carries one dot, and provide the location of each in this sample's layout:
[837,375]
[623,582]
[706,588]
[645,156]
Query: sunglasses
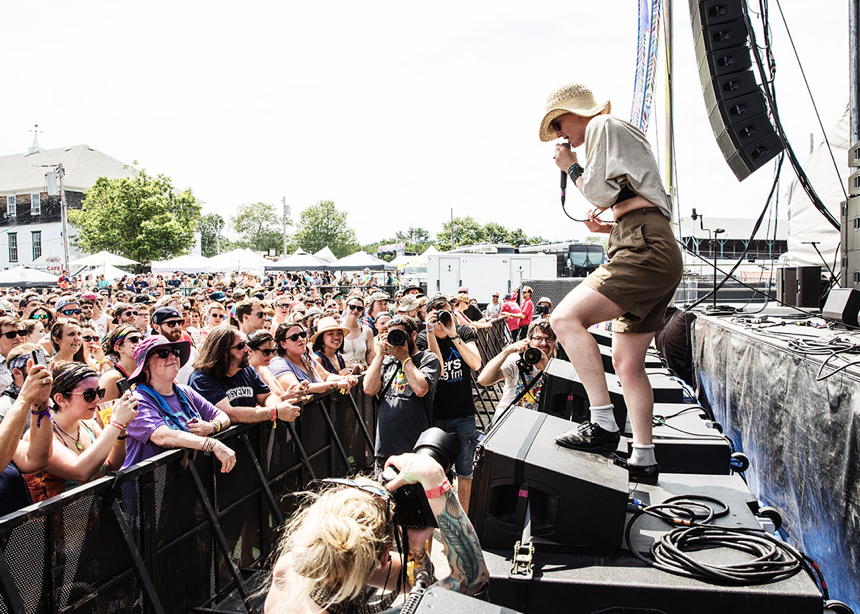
[297,336]
[172,323]
[219,316]
[555,125]
[356,307]
[134,339]
[239,346]
[70,312]
[265,352]
[128,313]
[52,303]
[284,306]
[15,333]
[165,352]
[39,316]
[260,314]
[89,339]
[90,395]
[377,491]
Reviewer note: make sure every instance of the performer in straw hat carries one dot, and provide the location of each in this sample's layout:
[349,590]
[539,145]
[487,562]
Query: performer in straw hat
[636,283]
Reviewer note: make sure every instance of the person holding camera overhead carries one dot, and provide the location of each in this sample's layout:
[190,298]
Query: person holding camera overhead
[456,347]
[407,378]
[518,367]
[342,540]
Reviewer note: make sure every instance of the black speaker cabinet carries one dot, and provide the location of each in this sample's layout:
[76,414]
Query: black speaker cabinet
[734,101]
[843,305]
[809,286]
[787,285]
[438,600]
[575,498]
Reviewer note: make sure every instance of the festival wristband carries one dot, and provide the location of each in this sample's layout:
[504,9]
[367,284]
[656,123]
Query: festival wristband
[41,413]
[118,425]
[407,360]
[439,490]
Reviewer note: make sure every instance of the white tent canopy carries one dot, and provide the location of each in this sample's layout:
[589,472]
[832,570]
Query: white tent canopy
[300,262]
[184,264]
[107,271]
[326,254]
[359,261]
[239,260]
[805,222]
[102,258]
[23,277]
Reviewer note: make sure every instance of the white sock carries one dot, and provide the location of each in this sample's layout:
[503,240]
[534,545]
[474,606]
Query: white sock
[642,456]
[604,417]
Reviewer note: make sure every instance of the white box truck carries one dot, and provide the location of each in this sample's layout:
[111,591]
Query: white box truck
[484,274]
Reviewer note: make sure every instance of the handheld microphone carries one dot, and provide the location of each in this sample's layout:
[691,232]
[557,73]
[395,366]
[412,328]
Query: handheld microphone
[564,177]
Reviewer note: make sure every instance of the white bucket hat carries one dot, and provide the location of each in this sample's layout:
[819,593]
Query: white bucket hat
[571,98]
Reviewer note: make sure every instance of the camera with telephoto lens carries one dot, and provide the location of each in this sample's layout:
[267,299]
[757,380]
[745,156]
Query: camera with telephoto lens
[411,507]
[444,318]
[529,358]
[397,337]
[541,310]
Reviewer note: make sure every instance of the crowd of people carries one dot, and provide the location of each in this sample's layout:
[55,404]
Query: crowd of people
[131,375]
[98,377]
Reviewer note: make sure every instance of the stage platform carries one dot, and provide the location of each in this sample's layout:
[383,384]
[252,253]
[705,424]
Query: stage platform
[788,396]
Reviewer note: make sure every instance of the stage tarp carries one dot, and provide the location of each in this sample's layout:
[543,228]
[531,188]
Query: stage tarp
[802,436]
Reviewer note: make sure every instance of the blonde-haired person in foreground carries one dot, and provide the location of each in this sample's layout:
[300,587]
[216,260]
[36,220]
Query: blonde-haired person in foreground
[341,541]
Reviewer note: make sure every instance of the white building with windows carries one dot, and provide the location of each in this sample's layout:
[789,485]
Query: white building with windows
[30,223]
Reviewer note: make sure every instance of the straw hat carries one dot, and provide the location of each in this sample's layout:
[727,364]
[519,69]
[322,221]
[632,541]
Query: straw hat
[408,303]
[328,324]
[571,98]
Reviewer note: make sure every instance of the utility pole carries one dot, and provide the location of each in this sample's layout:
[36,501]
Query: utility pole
[452,228]
[286,211]
[217,235]
[61,173]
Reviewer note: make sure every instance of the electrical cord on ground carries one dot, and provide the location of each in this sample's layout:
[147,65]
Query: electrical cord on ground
[773,559]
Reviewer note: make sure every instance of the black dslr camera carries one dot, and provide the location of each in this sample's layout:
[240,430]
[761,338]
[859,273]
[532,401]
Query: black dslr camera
[541,310]
[444,318]
[529,358]
[411,507]
[397,337]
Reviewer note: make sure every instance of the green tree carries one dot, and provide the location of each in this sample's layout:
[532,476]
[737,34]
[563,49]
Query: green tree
[466,232]
[323,225]
[518,237]
[259,226]
[417,240]
[139,217]
[210,225]
[496,233]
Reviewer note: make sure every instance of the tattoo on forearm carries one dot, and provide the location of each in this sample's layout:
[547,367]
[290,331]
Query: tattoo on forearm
[468,570]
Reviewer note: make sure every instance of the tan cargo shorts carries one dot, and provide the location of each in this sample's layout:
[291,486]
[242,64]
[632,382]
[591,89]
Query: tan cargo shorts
[642,271]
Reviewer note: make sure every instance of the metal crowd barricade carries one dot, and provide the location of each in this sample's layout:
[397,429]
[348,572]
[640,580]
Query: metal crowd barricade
[173,534]
[491,341]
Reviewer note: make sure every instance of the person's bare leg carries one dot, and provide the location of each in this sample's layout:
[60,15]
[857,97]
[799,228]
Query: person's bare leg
[582,308]
[464,492]
[579,310]
[628,356]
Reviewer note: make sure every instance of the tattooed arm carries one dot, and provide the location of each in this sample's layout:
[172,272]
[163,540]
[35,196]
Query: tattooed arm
[468,570]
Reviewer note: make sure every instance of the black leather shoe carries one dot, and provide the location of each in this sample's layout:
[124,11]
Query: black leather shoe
[644,474]
[591,437]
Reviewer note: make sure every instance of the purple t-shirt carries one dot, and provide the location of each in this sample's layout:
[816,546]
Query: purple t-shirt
[149,417]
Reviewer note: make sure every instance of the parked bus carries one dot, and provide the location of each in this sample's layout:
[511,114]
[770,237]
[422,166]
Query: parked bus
[574,259]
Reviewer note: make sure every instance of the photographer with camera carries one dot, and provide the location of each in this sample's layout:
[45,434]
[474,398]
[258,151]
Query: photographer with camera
[342,540]
[543,308]
[407,378]
[456,347]
[518,364]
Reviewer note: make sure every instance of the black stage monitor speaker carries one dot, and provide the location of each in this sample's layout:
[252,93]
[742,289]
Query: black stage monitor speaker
[437,600]
[575,498]
[787,285]
[734,101]
[809,286]
[843,305]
